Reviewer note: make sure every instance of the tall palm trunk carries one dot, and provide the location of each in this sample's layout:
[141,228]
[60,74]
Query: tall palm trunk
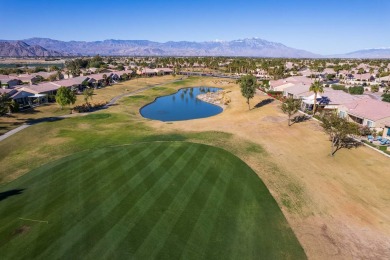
[315,103]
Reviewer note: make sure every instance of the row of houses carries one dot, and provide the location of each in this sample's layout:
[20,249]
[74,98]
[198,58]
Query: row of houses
[30,94]
[36,94]
[361,109]
[34,78]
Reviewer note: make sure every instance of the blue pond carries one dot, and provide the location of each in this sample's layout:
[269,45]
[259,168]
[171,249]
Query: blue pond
[183,105]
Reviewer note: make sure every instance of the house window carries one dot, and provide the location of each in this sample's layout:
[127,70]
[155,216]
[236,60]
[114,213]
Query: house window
[370,123]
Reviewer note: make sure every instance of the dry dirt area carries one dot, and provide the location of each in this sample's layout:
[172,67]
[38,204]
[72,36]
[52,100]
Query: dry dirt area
[337,206]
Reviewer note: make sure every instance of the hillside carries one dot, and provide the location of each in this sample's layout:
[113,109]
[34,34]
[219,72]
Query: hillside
[22,49]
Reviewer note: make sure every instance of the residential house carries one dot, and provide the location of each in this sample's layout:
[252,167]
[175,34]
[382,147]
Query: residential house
[165,71]
[100,79]
[367,112]
[147,72]
[29,78]
[8,81]
[281,84]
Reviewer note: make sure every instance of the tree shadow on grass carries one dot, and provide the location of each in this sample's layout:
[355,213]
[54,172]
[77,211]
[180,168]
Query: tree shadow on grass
[300,119]
[348,143]
[32,121]
[263,103]
[6,194]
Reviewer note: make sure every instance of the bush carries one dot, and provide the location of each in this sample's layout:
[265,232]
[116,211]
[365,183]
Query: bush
[275,94]
[88,107]
[374,88]
[386,97]
[358,90]
[339,87]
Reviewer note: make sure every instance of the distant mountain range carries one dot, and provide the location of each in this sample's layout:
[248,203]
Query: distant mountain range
[22,49]
[380,53]
[253,47]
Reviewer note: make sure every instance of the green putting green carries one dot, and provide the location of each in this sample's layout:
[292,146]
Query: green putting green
[165,200]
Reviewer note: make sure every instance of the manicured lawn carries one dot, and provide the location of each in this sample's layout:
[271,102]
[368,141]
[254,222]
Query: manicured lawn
[164,200]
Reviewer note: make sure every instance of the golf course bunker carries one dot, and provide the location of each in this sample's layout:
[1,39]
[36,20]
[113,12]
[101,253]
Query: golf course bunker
[158,200]
[183,105]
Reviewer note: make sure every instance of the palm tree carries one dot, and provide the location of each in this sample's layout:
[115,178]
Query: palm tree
[316,87]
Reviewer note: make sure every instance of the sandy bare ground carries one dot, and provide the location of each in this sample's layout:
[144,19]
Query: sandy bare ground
[338,207]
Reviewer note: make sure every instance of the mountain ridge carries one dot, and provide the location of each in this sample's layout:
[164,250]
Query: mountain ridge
[251,47]
[22,49]
[248,47]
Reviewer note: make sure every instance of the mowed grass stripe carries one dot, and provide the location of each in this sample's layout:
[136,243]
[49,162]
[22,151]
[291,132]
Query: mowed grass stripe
[177,239]
[76,232]
[200,236]
[244,241]
[155,235]
[142,205]
[221,237]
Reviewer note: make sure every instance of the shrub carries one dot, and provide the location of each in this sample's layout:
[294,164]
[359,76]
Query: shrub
[339,87]
[358,90]
[88,107]
[386,97]
[275,94]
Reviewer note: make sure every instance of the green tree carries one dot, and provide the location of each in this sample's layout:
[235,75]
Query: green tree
[290,106]
[316,87]
[339,131]
[120,67]
[125,76]
[5,104]
[73,67]
[65,96]
[386,97]
[248,85]
[88,94]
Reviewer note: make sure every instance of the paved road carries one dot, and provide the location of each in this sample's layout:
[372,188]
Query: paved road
[51,119]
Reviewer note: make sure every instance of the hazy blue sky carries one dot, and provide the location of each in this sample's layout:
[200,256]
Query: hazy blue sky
[324,27]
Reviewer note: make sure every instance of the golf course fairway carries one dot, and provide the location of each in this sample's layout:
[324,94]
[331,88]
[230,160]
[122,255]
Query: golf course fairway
[158,200]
